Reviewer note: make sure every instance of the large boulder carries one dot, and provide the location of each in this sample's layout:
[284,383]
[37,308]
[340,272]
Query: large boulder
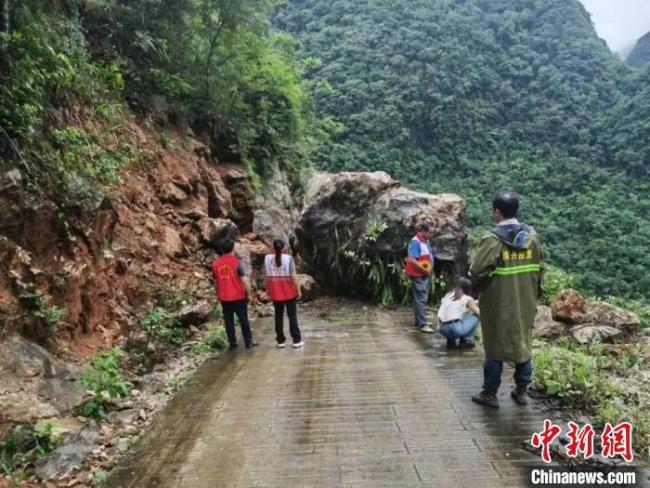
[33,383]
[240,186]
[308,287]
[69,455]
[592,320]
[194,314]
[607,314]
[170,243]
[545,326]
[354,222]
[569,306]
[213,231]
[587,334]
[276,214]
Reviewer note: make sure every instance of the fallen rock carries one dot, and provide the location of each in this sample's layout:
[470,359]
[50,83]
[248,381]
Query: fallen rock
[572,308]
[607,314]
[545,327]
[123,445]
[276,215]
[70,455]
[124,417]
[172,193]
[194,314]
[308,287]
[352,218]
[262,296]
[265,311]
[33,383]
[213,231]
[588,334]
[219,198]
[569,306]
[239,184]
[171,244]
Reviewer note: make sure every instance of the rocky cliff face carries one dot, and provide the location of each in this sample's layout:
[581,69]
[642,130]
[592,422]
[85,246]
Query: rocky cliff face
[357,225]
[158,228]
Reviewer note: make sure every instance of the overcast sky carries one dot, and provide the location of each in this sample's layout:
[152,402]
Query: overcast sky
[620,22]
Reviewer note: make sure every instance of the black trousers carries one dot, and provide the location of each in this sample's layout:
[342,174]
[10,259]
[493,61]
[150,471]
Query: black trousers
[293,321]
[240,307]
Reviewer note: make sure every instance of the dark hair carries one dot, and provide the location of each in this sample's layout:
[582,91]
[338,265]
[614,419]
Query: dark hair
[278,245]
[424,227]
[466,285]
[506,202]
[227,245]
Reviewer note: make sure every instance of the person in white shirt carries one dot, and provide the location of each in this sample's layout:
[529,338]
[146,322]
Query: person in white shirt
[459,316]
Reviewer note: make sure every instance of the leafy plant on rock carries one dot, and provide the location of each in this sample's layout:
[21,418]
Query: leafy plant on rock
[105,381]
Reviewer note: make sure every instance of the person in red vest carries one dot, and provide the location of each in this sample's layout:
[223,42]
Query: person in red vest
[284,289]
[233,290]
[419,268]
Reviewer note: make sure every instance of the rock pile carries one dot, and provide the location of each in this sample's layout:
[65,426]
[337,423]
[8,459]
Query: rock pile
[584,320]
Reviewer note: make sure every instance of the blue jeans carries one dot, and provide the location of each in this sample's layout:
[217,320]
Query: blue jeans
[492,371]
[460,329]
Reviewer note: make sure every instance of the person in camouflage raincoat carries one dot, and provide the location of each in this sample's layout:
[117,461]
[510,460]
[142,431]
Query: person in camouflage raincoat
[507,270]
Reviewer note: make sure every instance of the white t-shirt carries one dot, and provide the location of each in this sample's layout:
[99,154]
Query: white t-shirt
[451,309]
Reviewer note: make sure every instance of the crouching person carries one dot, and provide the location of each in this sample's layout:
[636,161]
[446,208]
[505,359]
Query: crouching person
[459,316]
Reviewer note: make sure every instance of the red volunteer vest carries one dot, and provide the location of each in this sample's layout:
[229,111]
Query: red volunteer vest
[279,285]
[425,257]
[229,285]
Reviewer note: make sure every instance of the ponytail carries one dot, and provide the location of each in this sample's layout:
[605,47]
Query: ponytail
[278,245]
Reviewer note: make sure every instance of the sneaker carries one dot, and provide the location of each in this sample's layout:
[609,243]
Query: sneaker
[487,399]
[297,345]
[467,344]
[252,344]
[520,395]
[451,344]
[232,347]
[281,344]
[426,329]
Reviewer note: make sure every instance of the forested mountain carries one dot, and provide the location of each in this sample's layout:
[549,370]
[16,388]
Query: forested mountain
[476,95]
[640,55]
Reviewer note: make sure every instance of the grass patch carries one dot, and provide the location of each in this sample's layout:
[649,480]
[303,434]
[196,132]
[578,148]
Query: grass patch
[22,446]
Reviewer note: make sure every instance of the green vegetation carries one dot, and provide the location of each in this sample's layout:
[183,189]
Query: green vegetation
[555,280]
[68,70]
[479,95]
[105,381]
[159,325]
[639,57]
[22,446]
[38,303]
[60,110]
[583,377]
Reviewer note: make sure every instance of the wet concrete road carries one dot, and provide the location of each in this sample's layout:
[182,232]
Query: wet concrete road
[368,402]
